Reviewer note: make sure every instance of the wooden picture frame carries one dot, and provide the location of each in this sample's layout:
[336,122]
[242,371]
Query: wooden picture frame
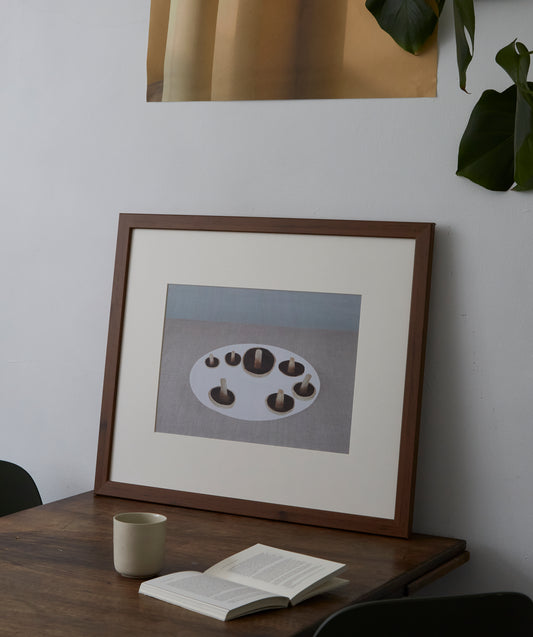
[351,296]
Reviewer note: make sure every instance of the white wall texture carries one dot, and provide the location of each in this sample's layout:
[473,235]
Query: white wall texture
[80,144]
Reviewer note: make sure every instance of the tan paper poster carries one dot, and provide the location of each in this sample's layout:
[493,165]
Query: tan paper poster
[279,49]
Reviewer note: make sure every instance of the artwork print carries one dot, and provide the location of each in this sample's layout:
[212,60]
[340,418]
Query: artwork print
[273,367]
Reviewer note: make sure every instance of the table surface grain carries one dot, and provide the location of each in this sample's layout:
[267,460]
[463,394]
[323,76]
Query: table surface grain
[57,576]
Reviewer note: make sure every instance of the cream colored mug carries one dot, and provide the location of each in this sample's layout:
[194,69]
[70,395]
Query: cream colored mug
[139,543]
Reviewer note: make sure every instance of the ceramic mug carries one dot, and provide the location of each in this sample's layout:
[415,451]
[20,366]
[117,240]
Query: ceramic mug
[139,543]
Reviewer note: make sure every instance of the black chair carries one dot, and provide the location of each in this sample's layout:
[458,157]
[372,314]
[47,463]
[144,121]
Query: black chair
[484,615]
[18,491]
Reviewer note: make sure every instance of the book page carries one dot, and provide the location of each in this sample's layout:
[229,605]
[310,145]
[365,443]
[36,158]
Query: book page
[209,595]
[275,570]
[207,589]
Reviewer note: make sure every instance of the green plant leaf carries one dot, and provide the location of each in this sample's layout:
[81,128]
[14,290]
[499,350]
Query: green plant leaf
[486,151]
[515,60]
[409,22]
[465,23]
[523,141]
[496,149]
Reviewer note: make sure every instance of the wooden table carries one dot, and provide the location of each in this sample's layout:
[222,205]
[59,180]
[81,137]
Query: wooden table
[57,577]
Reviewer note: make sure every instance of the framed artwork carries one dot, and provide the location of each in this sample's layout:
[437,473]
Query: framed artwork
[268,367]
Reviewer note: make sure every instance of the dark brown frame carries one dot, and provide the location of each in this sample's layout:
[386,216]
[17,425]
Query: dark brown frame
[421,233]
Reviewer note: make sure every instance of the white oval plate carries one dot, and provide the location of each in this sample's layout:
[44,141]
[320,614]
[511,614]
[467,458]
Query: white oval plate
[251,390]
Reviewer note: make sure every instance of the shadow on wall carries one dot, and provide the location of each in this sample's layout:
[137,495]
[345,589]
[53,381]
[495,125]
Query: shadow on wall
[443,463]
[487,566]
[455,479]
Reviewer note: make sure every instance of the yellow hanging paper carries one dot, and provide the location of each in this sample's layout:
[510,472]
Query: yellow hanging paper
[279,49]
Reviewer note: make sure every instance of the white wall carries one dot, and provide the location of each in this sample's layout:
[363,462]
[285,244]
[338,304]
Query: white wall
[79,145]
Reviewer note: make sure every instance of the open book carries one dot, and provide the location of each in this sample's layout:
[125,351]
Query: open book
[258,578]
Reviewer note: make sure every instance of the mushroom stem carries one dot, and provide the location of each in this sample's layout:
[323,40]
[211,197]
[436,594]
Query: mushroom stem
[223,389]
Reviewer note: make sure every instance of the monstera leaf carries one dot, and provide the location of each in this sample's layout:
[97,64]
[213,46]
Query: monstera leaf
[411,22]
[515,59]
[465,24]
[496,149]
[487,146]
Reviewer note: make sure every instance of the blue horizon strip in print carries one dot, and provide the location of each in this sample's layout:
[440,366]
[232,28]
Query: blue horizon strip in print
[284,308]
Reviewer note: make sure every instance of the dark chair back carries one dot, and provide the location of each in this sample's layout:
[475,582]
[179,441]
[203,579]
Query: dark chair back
[18,491]
[485,615]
